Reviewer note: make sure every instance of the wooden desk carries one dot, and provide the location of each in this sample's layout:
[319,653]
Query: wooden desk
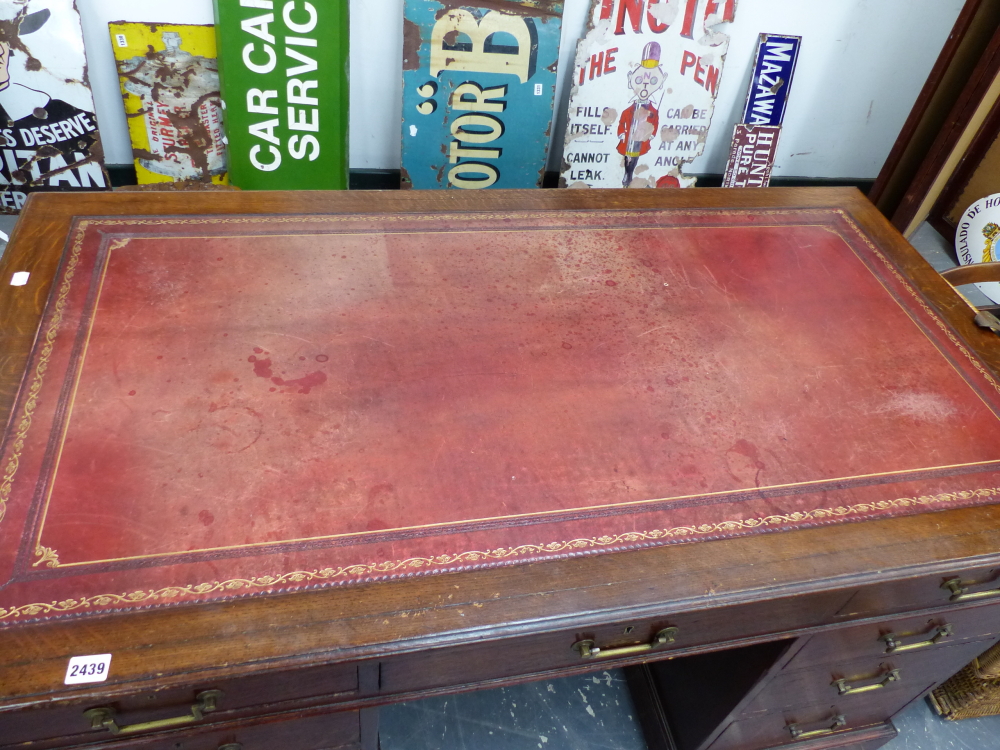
[308,669]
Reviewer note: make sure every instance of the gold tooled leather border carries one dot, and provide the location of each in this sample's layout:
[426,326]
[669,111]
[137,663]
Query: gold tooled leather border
[42,364]
[173,594]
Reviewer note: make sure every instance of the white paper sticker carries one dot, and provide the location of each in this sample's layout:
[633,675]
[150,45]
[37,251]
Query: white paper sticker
[20,278]
[122,41]
[538,89]
[93,668]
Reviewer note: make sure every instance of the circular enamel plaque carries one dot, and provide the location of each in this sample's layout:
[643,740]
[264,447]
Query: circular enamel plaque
[977,239]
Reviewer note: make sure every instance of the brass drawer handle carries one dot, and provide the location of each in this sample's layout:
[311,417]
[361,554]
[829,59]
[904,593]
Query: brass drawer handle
[104,718]
[797,734]
[960,593]
[588,650]
[893,645]
[844,689]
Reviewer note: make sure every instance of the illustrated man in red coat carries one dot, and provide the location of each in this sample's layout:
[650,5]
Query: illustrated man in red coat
[640,120]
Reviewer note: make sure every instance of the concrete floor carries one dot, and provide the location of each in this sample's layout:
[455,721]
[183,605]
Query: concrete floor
[588,712]
[922,729]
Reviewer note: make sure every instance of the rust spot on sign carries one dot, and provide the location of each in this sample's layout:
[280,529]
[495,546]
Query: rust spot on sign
[411,45]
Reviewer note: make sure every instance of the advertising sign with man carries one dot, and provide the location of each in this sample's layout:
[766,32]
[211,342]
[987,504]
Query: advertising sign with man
[48,131]
[644,87]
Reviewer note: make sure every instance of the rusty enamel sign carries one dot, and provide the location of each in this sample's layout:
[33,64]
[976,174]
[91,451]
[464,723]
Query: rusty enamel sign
[170,85]
[47,123]
[644,87]
[773,69]
[755,140]
[751,156]
[479,81]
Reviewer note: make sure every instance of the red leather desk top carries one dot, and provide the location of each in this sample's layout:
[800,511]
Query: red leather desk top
[225,406]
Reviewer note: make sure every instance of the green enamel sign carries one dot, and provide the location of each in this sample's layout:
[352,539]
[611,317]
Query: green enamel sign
[283,72]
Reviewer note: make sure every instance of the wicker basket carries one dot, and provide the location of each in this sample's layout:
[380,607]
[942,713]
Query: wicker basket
[975,691]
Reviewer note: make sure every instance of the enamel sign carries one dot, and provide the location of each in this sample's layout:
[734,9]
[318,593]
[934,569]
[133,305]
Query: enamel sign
[773,69]
[978,238]
[751,156]
[48,131]
[479,81]
[283,73]
[644,87]
[170,84]
[755,140]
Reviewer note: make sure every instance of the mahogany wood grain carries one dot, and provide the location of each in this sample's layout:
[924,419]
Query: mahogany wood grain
[959,179]
[693,695]
[866,738]
[926,591]
[293,730]
[534,653]
[174,647]
[649,708]
[966,624]
[368,718]
[770,730]
[917,672]
[972,274]
[242,698]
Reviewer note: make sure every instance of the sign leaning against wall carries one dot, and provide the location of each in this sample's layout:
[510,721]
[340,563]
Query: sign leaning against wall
[644,86]
[755,138]
[170,85]
[479,80]
[48,131]
[283,74]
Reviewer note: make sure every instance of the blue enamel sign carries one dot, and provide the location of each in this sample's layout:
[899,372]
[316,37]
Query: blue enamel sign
[478,87]
[772,77]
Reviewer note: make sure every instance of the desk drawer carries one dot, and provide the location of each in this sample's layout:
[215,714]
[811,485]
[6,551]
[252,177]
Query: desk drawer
[861,730]
[899,635]
[914,674]
[469,664]
[291,731]
[251,695]
[976,584]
